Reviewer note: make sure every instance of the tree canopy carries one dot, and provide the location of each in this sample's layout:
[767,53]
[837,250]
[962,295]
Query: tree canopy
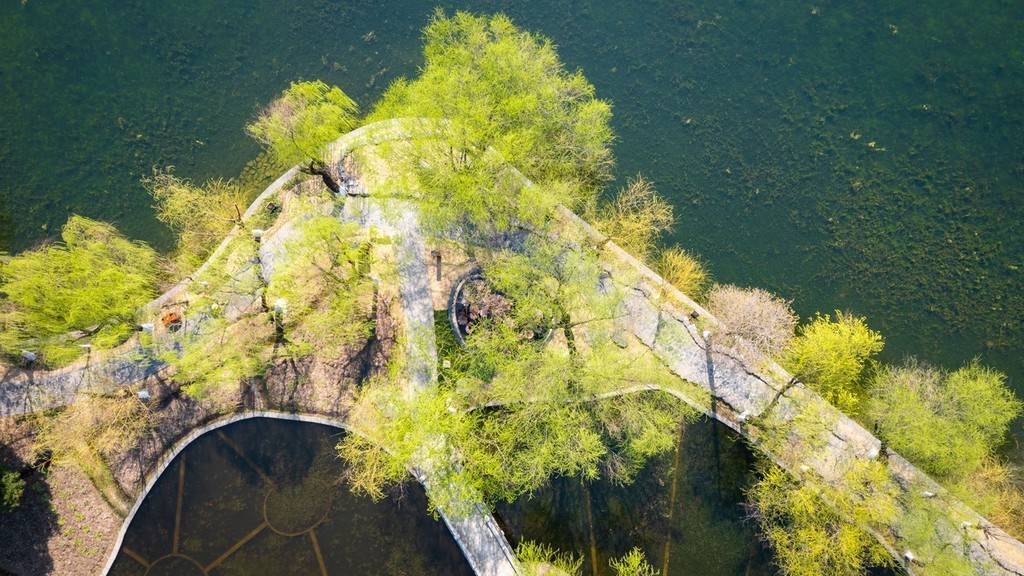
[200,216]
[306,117]
[94,281]
[500,95]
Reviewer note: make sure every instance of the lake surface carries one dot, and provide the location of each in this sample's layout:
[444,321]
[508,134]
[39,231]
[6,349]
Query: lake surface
[263,496]
[853,155]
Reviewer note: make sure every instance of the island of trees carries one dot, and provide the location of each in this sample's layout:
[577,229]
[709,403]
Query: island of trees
[523,390]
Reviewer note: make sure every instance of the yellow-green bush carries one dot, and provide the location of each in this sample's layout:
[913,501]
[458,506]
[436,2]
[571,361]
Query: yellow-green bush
[831,355]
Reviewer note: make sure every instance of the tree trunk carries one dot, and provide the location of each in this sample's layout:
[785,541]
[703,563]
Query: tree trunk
[318,168]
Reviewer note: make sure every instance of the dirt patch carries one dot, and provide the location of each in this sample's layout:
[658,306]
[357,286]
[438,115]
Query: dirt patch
[63,526]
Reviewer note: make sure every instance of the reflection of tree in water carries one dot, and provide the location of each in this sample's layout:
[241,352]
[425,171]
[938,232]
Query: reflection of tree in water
[706,533]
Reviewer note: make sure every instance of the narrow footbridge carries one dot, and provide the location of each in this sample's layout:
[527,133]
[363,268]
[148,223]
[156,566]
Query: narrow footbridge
[756,401]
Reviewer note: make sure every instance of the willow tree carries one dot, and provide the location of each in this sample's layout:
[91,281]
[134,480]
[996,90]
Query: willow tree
[201,216]
[295,127]
[500,95]
[84,289]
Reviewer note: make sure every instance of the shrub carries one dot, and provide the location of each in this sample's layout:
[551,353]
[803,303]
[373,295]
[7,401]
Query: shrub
[811,537]
[93,282]
[542,560]
[996,490]
[754,321]
[684,271]
[635,218]
[11,489]
[832,355]
[945,423]
[201,216]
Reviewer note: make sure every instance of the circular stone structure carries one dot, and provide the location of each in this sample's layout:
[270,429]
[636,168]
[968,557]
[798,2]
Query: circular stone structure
[175,565]
[295,509]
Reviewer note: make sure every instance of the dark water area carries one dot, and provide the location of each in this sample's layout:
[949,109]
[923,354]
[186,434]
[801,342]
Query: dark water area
[860,155]
[262,497]
[684,510]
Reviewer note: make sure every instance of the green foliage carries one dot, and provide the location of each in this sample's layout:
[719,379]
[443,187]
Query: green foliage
[94,281]
[832,356]
[92,430]
[820,530]
[323,288]
[540,391]
[11,489]
[201,216]
[945,423]
[305,118]
[538,559]
[924,525]
[502,95]
[633,563]
[635,218]
[213,363]
[684,271]
[996,491]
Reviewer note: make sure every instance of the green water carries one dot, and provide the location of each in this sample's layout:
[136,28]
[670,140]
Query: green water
[755,118]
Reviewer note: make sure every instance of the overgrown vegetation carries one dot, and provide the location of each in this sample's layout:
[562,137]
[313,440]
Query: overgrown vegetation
[295,128]
[635,218]
[200,216]
[817,529]
[92,430]
[633,563]
[684,271]
[85,289]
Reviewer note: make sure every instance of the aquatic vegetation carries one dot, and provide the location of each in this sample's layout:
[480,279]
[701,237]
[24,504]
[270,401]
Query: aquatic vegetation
[86,289]
[538,559]
[633,563]
[833,356]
